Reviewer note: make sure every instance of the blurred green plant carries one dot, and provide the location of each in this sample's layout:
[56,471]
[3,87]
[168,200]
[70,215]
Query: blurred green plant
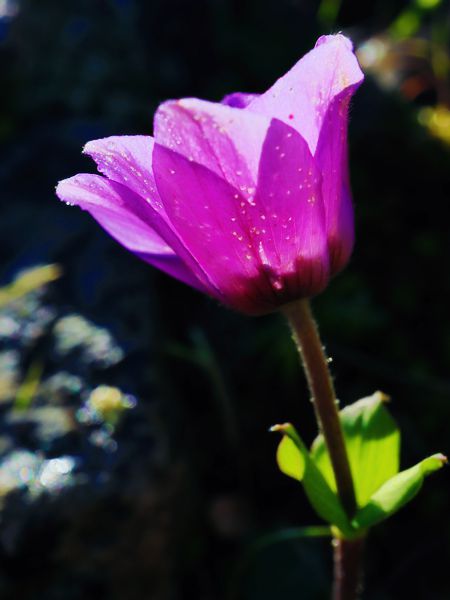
[28,281]
[29,386]
[412,55]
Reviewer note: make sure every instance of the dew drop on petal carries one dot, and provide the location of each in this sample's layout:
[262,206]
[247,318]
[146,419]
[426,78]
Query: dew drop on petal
[277,284]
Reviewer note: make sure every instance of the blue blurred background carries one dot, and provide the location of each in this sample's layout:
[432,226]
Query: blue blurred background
[134,455]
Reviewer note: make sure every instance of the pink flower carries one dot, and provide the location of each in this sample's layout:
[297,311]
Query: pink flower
[247,200]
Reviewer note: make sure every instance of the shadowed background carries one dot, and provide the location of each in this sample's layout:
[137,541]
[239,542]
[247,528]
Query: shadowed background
[157,486]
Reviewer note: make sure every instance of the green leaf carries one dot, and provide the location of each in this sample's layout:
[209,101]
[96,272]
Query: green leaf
[373,445]
[290,460]
[397,492]
[294,460]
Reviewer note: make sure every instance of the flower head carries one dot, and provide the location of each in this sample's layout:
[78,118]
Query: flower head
[247,200]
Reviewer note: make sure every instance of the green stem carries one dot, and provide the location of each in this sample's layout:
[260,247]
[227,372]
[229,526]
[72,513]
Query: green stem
[320,384]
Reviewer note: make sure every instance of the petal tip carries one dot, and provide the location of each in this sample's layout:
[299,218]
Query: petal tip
[91,147]
[63,190]
[337,37]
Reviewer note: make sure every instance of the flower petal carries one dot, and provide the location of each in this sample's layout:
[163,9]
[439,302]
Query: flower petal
[238,99]
[302,96]
[289,215]
[224,139]
[210,217]
[332,159]
[127,159]
[114,207]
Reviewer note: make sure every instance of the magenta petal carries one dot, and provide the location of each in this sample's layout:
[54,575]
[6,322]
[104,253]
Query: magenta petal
[111,205]
[210,217]
[127,159]
[331,157]
[302,96]
[288,215]
[238,99]
[226,140]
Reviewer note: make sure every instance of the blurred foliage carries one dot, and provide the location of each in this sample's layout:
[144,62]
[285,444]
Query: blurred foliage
[159,499]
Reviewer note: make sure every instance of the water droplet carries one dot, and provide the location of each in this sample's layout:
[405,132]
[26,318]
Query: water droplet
[277,284]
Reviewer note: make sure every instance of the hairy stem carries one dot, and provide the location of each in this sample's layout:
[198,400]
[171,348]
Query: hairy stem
[323,396]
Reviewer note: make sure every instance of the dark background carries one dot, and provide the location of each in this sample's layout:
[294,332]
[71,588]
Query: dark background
[169,507]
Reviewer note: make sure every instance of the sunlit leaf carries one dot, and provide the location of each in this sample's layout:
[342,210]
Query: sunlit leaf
[294,460]
[397,492]
[290,460]
[373,445]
